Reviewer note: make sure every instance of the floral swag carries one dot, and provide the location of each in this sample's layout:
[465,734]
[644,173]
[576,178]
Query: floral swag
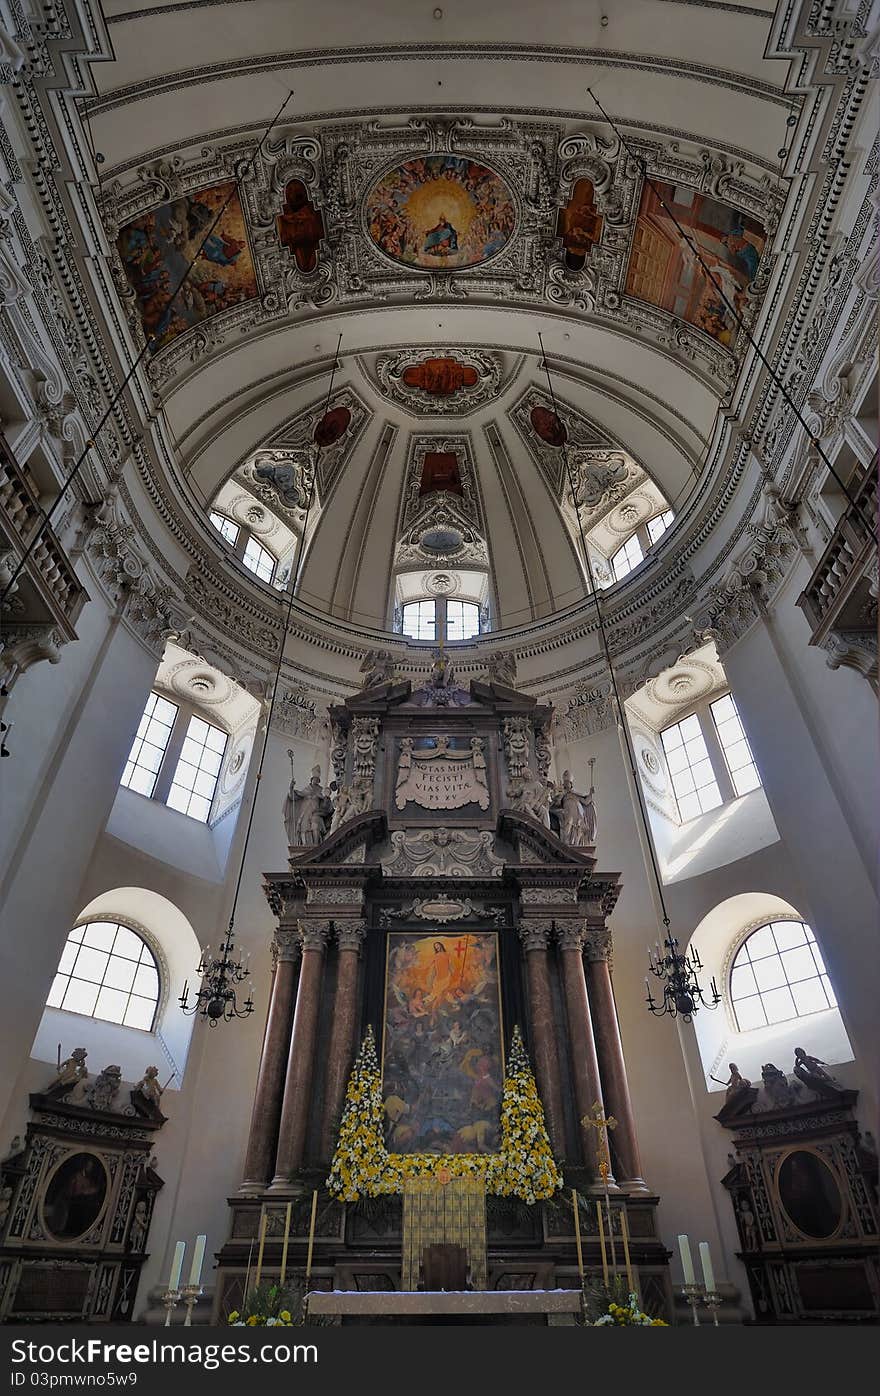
[363,1167]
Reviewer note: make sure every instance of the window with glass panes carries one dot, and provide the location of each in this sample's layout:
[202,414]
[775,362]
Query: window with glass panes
[659,524]
[734,743]
[195,776]
[462,620]
[420,620]
[149,745]
[627,558]
[225,526]
[259,560]
[778,974]
[693,779]
[107,971]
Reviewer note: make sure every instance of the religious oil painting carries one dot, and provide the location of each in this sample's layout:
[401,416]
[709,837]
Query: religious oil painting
[809,1193]
[75,1196]
[443,1064]
[440,212]
[157,248]
[664,270]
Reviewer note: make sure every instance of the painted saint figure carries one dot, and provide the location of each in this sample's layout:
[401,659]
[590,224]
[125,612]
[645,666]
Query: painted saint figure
[441,239]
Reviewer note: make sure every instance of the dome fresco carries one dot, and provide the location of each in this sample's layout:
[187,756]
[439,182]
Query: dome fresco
[440,212]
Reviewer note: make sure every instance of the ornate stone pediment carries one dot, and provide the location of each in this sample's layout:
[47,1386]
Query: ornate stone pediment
[442,853]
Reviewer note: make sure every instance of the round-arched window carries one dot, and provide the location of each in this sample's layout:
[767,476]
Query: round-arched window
[107,971]
[778,974]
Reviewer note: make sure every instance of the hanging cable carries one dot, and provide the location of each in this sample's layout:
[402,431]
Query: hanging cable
[148,344]
[603,635]
[740,322]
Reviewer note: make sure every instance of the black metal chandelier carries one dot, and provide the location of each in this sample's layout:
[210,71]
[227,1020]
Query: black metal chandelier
[682,994]
[216,997]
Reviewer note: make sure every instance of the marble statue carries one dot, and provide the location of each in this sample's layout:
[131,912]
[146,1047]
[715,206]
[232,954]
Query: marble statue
[70,1073]
[735,1084]
[576,814]
[306,811]
[360,796]
[747,1223]
[137,1232]
[377,666]
[526,794]
[811,1070]
[147,1094]
[6,1192]
[105,1088]
[776,1085]
[501,668]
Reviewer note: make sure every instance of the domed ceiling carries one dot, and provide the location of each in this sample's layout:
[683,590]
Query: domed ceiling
[440,197]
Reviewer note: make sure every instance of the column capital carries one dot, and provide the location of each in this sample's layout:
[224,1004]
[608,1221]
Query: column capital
[350,934]
[287,946]
[570,935]
[314,935]
[598,944]
[535,935]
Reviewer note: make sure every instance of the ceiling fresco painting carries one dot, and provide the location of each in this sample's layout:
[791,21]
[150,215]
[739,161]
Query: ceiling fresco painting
[300,226]
[440,211]
[440,377]
[156,250]
[664,270]
[579,224]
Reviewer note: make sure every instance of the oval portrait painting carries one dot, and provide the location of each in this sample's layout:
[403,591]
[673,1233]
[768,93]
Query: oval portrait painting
[440,212]
[75,1196]
[809,1193]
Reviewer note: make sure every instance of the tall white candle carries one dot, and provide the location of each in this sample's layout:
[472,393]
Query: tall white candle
[195,1272]
[708,1272]
[177,1265]
[687,1263]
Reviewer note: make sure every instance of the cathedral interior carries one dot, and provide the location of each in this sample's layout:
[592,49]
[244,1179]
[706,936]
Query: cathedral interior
[438,643]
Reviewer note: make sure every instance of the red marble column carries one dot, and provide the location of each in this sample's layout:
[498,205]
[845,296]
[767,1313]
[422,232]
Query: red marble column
[270,1079]
[535,936]
[584,1063]
[612,1067]
[301,1059]
[349,937]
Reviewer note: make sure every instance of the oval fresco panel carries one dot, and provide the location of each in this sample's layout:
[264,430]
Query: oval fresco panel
[75,1196]
[440,212]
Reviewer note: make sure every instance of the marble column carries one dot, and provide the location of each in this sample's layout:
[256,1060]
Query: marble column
[273,1060]
[301,1059]
[535,937]
[349,938]
[609,1049]
[584,1063]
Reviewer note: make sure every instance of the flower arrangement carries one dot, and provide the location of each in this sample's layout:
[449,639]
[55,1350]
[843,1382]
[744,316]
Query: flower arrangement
[362,1165]
[267,1306]
[611,1306]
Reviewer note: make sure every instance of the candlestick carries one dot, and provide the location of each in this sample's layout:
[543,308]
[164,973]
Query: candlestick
[692,1293]
[602,1244]
[284,1247]
[687,1263]
[195,1270]
[311,1236]
[708,1272]
[712,1300]
[190,1294]
[264,1218]
[624,1231]
[177,1265]
[169,1300]
[577,1234]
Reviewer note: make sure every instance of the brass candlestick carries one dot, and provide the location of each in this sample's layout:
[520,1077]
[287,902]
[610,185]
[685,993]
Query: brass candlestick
[693,1294]
[191,1294]
[170,1299]
[712,1300]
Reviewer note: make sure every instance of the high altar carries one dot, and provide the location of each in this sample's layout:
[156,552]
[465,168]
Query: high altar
[447,894]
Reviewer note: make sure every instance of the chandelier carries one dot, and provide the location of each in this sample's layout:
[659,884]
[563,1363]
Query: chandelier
[682,995]
[216,997]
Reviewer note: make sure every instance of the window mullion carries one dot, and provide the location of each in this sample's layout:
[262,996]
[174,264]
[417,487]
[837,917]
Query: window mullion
[716,754]
[241,541]
[440,619]
[172,755]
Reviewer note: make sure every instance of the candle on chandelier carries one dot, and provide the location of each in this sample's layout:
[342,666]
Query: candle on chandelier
[195,1271]
[176,1265]
[687,1263]
[708,1272]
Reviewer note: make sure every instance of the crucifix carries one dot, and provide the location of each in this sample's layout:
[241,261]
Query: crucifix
[601,1123]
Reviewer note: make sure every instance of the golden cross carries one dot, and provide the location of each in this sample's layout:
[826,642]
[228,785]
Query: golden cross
[598,1121]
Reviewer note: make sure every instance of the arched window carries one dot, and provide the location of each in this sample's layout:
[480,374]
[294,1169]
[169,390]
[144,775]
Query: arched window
[176,757]
[225,526]
[633,552]
[107,971]
[627,558]
[777,974]
[259,560]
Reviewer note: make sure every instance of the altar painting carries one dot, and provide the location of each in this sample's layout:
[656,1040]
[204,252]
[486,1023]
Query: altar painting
[440,212]
[156,250]
[664,271]
[442,1058]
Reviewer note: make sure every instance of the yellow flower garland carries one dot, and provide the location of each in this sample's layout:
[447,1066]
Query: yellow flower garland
[362,1165]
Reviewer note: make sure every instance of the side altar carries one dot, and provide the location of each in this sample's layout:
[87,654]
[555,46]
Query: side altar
[441,894]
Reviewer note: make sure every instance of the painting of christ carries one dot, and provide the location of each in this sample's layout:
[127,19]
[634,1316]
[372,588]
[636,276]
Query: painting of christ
[442,1057]
[441,210]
